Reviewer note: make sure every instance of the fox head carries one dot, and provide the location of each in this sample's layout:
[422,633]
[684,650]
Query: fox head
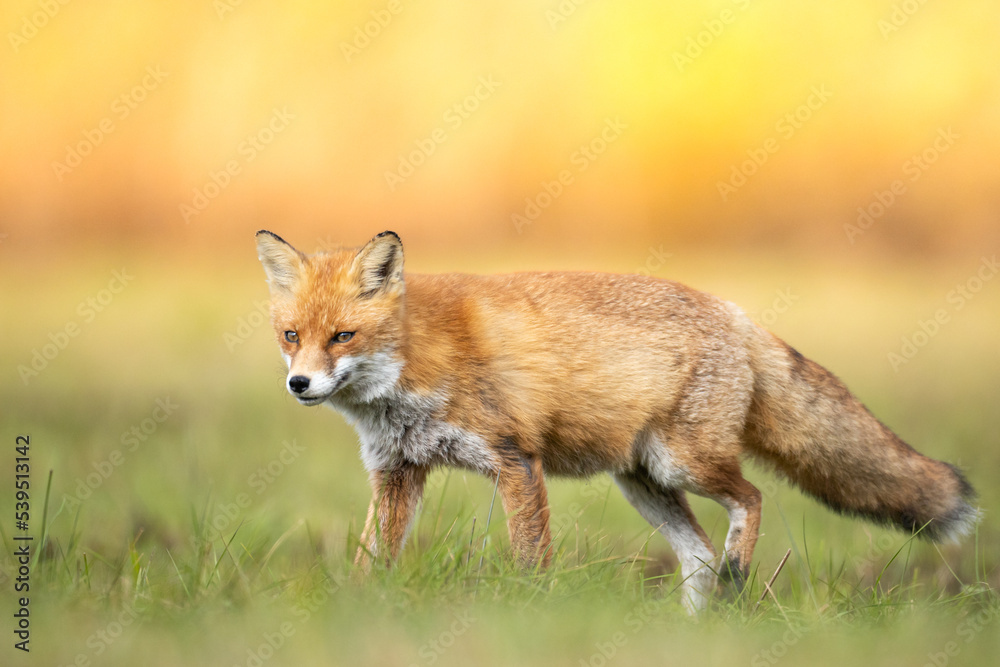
[337,316]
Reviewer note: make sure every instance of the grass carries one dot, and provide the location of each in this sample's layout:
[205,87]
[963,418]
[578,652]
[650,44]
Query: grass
[225,533]
[454,597]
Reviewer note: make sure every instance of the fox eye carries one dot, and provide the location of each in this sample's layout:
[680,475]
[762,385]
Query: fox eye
[342,337]
[291,337]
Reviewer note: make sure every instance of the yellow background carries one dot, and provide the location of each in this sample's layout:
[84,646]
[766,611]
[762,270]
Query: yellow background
[697,90]
[894,80]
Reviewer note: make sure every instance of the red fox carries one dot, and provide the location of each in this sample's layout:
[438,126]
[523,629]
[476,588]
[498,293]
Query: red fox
[532,374]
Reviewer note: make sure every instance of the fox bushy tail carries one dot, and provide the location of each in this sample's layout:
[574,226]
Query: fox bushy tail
[806,424]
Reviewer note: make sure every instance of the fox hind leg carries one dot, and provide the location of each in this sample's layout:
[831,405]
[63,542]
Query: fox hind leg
[742,501]
[667,510]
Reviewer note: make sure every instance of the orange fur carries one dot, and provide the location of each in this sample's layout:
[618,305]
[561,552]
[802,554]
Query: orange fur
[526,375]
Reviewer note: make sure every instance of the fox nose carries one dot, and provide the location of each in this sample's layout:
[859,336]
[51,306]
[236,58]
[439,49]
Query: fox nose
[298,383]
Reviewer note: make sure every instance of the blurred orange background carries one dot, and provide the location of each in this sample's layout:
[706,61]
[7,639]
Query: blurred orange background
[463,125]
[832,168]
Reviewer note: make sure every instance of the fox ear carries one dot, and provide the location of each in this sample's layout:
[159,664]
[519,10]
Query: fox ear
[282,263]
[379,265]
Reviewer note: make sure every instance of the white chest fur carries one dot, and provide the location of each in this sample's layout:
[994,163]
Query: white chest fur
[402,426]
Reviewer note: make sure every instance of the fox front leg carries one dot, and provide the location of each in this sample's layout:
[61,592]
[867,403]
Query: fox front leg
[395,495]
[522,487]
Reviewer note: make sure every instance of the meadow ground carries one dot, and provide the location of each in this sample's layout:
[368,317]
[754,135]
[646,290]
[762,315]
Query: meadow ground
[198,515]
